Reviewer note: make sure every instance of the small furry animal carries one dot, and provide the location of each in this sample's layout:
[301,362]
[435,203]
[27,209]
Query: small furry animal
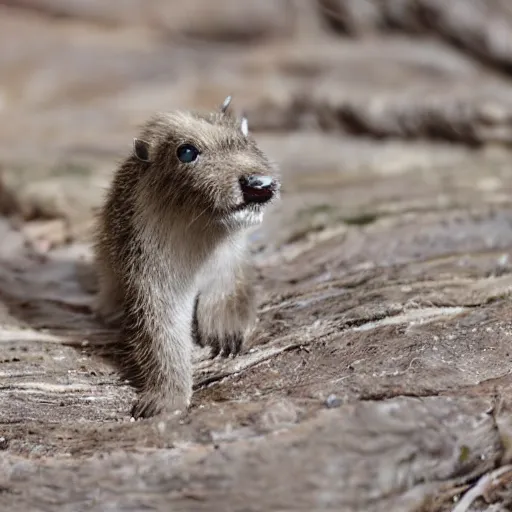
[171,248]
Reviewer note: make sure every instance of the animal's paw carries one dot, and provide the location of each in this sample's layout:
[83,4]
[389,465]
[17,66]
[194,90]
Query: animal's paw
[221,343]
[222,325]
[225,345]
[153,404]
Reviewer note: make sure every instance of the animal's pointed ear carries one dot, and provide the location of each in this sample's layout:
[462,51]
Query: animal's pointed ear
[225,105]
[141,150]
[244,125]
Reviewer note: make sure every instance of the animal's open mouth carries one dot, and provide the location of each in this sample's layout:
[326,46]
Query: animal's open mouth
[257,189]
[255,206]
[256,199]
[257,195]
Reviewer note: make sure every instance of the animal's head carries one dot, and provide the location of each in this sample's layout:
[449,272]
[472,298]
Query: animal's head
[208,166]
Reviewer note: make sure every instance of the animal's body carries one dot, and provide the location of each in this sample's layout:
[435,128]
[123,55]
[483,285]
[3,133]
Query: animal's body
[172,251]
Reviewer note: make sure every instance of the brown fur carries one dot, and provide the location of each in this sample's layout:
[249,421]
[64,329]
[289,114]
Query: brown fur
[171,252]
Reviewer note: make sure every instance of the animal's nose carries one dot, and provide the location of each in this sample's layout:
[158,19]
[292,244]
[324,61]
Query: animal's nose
[257,189]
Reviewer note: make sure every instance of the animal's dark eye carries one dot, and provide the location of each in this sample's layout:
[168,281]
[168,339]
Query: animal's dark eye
[187,153]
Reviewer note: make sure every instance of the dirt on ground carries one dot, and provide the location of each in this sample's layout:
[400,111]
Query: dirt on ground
[379,375]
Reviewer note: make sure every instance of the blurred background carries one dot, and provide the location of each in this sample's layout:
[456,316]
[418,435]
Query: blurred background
[336,91]
[316,77]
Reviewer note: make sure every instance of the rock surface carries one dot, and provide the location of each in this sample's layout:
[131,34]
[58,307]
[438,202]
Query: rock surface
[379,376]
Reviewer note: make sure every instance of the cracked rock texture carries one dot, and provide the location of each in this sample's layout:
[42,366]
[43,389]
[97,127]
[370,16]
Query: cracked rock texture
[378,378]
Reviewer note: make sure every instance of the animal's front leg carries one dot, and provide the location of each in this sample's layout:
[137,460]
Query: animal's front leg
[225,307]
[156,350]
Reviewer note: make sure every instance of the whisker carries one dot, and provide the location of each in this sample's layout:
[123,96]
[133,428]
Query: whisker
[196,218]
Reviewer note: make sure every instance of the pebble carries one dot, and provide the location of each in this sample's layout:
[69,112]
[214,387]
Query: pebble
[332,401]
